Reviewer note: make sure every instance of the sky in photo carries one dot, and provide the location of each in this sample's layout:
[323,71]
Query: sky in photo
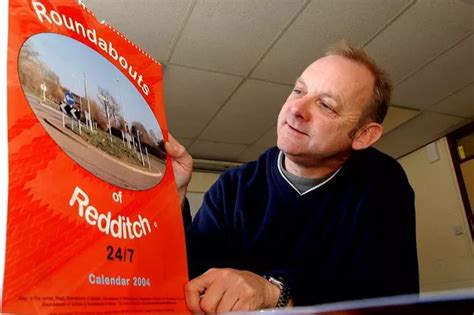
[70,60]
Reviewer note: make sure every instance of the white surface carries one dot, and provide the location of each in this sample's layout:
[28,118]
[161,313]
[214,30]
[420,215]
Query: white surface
[432,152]
[396,116]
[268,140]
[420,42]
[443,76]
[251,111]
[380,302]
[3,138]
[322,23]
[427,128]
[194,94]
[229,36]
[425,30]
[186,142]
[153,29]
[216,150]
[461,103]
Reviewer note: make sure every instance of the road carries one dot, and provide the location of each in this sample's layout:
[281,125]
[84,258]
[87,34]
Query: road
[99,163]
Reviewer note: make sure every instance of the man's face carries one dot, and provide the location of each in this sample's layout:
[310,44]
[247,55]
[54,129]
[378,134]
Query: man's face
[324,106]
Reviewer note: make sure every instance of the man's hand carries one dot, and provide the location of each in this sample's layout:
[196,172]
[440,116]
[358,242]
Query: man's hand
[182,164]
[224,290]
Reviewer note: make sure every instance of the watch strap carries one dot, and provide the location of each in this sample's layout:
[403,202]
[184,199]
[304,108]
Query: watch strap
[285,291]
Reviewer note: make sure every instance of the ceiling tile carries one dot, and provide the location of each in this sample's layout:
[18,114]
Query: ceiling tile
[193,97]
[418,132]
[185,142]
[420,33]
[158,25]
[268,140]
[250,112]
[445,75]
[460,103]
[397,116]
[230,36]
[216,150]
[316,28]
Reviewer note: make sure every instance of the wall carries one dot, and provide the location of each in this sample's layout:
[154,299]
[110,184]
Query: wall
[445,248]
[200,183]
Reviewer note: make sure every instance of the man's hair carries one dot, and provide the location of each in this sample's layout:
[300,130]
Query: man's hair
[378,105]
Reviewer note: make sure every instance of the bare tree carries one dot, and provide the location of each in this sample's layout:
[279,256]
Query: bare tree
[55,91]
[144,136]
[30,68]
[33,72]
[98,115]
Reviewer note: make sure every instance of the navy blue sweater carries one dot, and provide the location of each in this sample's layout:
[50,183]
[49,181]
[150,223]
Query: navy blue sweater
[353,237]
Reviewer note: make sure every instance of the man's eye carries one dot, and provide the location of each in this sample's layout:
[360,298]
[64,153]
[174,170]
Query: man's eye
[327,107]
[297,91]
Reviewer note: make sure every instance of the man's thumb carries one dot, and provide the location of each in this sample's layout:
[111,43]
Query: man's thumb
[170,149]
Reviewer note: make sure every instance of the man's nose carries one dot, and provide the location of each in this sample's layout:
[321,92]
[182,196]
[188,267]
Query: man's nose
[300,108]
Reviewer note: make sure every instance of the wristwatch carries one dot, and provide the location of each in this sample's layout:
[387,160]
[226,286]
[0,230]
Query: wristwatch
[285,291]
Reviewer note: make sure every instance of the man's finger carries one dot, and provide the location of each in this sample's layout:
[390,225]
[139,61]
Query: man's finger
[228,301]
[169,149]
[193,294]
[221,293]
[196,288]
[242,306]
[213,296]
[171,145]
[176,150]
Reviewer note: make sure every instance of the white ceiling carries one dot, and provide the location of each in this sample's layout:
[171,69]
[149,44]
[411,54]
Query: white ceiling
[230,64]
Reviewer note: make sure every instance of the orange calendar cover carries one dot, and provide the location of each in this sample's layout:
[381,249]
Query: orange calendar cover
[93,217]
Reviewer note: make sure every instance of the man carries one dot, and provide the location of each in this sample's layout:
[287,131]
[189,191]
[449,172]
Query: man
[324,217]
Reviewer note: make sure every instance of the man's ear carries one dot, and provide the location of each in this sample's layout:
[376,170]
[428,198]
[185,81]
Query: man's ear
[367,135]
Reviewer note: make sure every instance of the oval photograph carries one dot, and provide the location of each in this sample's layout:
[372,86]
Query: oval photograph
[92,111]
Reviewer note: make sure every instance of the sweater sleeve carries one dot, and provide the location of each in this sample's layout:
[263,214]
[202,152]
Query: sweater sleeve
[208,240]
